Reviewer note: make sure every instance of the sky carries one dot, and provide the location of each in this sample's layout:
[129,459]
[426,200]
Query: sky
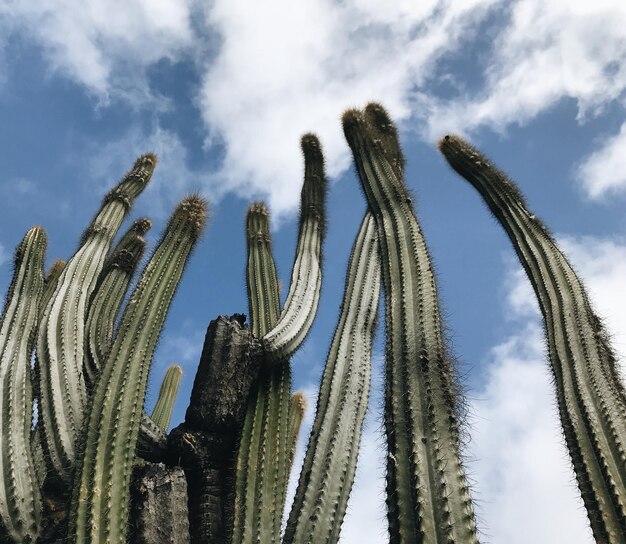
[222,91]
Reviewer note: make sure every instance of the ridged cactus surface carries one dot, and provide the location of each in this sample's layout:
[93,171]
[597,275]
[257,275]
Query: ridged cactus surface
[330,462]
[306,277]
[20,498]
[61,339]
[427,492]
[590,393]
[162,413]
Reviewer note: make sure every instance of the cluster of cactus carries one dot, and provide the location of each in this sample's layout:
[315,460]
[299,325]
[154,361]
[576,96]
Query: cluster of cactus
[96,468]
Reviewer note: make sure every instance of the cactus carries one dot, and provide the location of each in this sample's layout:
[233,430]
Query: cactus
[60,345]
[306,278]
[20,499]
[101,496]
[108,296]
[590,394]
[427,492]
[330,462]
[162,413]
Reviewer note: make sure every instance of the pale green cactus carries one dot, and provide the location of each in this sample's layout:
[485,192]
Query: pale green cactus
[162,412]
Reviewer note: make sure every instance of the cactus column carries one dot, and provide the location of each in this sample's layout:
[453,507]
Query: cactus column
[427,492]
[590,394]
[20,500]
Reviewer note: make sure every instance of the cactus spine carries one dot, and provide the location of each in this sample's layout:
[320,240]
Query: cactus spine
[101,494]
[306,277]
[330,462]
[427,492]
[60,345]
[262,463]
[590,395]
[20,499]
[162,413]
[109,294]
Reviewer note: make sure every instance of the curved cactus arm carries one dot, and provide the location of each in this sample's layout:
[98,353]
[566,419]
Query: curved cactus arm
[306,277]
[106,301]
[101,484]
[261,471]
[61,337]
[20,500]
[162,413]
[330,462]
[51,281]
[427,492]
[590,394]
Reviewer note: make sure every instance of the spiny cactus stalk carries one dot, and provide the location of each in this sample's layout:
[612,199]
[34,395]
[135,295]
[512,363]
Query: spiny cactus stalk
[20,499]
[329,465]
[101,484]
[306,277]
[590,394]
[162,413]
[297,410]
[427,492]
[117,273]
[60,345]
[50,282]
[262,469]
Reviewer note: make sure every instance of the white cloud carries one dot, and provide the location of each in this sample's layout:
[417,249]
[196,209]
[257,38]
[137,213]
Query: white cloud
[103,44]
[5,257]
[548,51]
[604,171]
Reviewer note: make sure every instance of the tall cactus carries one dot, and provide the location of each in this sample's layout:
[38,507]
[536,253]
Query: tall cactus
[330,461]
[101,495]
[20,499]
[262,462]
[306,277]
[60,345]
[427,492]
[162,413]
[590,394]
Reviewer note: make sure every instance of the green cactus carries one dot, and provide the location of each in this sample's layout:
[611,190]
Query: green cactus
[106,301]
[162,413]
[296,416]
[306,278]
[262,471]
[20,498]
[60,345]
[101,496]
[590,394]
[329,465]
[427,492]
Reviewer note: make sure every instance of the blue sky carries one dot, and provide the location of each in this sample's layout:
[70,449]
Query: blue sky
[222,91]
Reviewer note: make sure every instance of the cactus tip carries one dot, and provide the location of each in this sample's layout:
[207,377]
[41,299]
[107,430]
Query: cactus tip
[194,211]
[147,160]
[311,146]
[142,226]
[378,116]
[351,119]
[299,402]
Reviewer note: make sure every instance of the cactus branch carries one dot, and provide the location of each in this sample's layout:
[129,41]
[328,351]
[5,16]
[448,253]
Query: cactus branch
[590,394]
[101,495]
[330,461]
[306,277]
[61,339]
[162,413]
[20,500]
[427,492]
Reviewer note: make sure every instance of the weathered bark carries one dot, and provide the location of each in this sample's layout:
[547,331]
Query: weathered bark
[205,445]
[159,505]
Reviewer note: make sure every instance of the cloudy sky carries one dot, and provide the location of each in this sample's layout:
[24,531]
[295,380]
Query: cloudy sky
[222,90]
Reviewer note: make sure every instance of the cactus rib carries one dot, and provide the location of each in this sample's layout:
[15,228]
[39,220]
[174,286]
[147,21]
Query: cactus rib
[61,338]
[100,494]
[306,277]
[20,500]
[262,463]
[330,462]
[162,413]
[590,394]
[427,492]
[109,294]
